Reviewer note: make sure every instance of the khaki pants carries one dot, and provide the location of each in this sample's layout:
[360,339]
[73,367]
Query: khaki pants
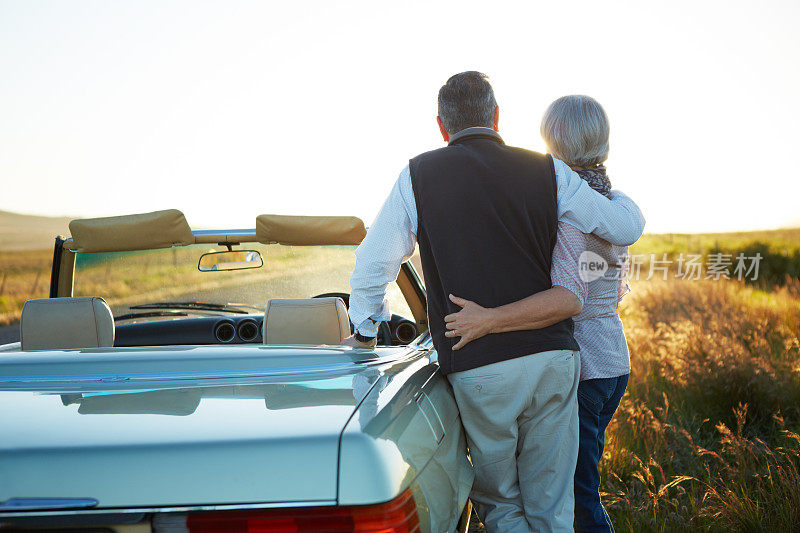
[521,421]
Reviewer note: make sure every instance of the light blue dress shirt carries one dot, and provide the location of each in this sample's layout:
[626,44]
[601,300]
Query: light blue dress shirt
[392,237]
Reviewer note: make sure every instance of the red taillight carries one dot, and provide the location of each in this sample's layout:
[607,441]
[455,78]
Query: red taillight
[396,516]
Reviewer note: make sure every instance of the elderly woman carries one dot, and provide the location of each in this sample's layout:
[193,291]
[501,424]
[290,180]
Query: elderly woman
[576,130]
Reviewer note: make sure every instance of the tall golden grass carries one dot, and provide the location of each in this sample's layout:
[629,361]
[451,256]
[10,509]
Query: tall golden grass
[706,436]
[23,275]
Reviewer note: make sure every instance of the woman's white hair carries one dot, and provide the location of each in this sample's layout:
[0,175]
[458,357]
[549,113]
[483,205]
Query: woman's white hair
[575,129]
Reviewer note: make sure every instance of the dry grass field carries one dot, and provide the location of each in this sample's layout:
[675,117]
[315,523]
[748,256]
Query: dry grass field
[24,274]
[785,241]
[26,244]
[707,435]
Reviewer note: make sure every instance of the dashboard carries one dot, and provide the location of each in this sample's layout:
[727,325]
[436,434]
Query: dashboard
[240,329]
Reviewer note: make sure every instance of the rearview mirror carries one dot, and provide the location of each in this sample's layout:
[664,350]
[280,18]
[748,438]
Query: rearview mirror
[233,260]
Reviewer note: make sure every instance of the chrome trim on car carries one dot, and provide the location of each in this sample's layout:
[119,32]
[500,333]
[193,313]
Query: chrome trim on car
[29,504]
[175,509]
[65,382]
[214,236]
[423,342]
[225,235]
[11,347]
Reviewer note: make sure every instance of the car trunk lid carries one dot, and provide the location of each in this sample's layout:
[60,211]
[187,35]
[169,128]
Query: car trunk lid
[185,426]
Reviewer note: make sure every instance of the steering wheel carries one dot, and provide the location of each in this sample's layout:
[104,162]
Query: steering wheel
[384,333]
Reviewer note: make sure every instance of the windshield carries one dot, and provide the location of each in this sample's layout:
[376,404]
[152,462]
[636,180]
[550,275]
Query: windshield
[130,280]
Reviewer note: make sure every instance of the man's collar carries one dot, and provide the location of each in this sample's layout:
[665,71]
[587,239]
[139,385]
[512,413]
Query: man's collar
[475,131]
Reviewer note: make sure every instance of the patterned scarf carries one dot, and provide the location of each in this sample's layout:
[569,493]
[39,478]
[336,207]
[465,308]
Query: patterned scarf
[596,178]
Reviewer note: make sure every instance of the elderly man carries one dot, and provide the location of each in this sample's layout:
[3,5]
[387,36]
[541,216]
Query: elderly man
[485,216]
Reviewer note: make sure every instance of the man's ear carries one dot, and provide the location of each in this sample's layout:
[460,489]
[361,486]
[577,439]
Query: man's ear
[496,124]
[445,135]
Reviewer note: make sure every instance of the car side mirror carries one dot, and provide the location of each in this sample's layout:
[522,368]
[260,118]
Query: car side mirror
[231,260]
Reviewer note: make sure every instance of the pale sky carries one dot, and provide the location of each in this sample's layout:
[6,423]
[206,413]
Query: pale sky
[229,109]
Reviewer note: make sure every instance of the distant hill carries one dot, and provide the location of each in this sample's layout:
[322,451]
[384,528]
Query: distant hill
[30,232]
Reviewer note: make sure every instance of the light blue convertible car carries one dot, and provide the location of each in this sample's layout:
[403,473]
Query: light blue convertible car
[181,380]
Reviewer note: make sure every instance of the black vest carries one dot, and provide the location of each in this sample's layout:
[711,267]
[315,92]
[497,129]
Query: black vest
[487,227]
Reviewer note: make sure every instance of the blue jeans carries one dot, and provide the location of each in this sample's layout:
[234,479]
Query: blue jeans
[598,400]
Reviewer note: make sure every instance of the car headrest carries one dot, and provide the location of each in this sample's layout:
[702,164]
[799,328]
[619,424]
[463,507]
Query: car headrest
[306,321]
[62,323]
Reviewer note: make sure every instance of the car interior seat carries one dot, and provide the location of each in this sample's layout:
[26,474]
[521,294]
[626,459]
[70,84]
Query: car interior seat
[63,323]
[306,321]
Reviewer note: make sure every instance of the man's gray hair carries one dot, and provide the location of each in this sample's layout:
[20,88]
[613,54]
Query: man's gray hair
[575,129]
[465,101]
